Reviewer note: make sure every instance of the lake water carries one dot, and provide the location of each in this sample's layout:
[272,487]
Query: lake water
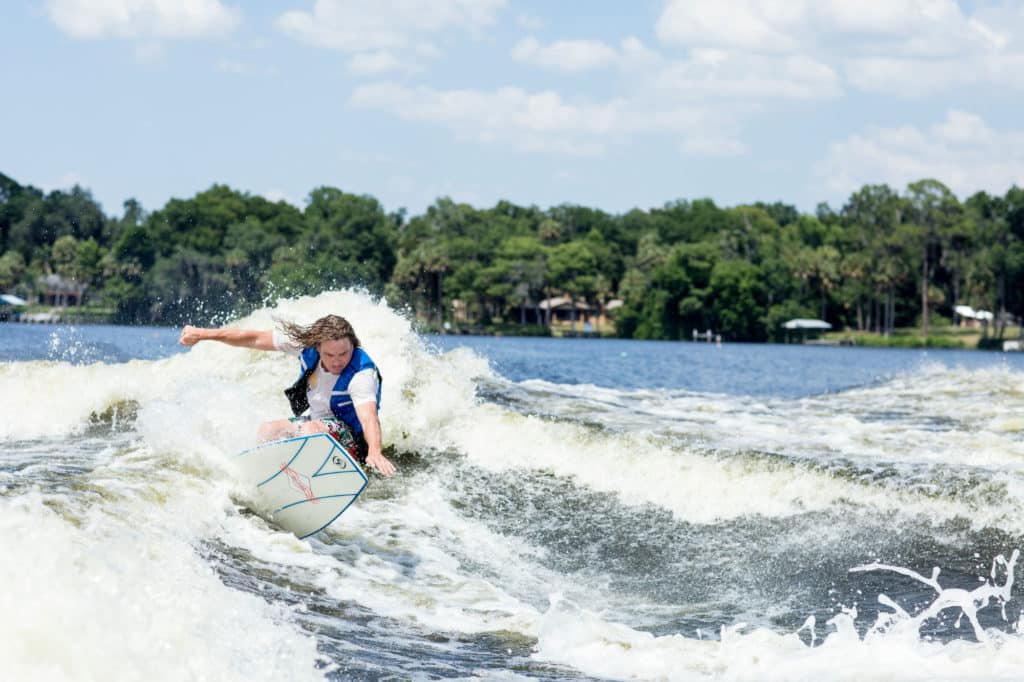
[565,509]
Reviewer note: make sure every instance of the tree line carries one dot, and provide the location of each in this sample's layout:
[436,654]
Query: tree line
[885,259]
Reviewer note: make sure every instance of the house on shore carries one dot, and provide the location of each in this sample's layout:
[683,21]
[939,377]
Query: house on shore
[564,316]
[561,311]
[60,292]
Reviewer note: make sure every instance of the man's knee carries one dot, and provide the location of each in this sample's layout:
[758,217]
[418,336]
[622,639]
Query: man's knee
[314,426]
[275,430]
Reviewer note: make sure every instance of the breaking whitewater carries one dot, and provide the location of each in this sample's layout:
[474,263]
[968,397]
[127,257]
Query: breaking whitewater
[565,509]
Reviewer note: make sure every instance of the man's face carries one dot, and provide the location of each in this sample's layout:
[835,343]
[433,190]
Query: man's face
[335,355]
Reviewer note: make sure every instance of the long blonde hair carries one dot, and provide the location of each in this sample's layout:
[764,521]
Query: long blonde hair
[327,328]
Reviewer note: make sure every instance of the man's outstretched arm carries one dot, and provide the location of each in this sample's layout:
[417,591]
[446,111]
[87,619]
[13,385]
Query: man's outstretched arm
[243,338]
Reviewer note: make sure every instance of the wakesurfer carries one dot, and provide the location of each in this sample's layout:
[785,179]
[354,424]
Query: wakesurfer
[338,390]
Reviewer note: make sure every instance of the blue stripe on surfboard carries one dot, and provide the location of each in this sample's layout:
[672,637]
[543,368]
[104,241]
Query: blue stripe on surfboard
[330,455]
[319,473]
[272,443]
[281,470]
[306,439]
[333,518]
[315,499]
[355,467]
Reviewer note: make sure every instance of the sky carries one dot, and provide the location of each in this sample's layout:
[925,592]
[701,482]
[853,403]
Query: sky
[610,104]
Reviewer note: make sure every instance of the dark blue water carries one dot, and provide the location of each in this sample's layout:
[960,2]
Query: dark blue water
[787,371]
[86,344]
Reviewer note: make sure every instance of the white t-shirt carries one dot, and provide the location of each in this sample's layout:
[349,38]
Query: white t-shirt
[362,388]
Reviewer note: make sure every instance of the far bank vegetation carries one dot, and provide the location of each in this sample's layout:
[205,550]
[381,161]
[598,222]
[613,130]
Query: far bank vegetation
[884,261]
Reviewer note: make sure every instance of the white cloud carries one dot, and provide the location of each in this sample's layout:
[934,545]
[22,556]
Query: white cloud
[359,26]
[720,73]
[995,39]
[750,25]
[920,27]
[961,151]
[907,77]
[490,115]
[545,122]
[963,128]
[166,19]
[529,122]
[704,73]
[909,48]
[565,55]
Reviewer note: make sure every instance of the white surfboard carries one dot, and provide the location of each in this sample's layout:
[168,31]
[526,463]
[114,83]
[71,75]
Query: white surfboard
[301,484]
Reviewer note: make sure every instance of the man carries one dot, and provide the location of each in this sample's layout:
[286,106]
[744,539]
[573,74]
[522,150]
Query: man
[339,384]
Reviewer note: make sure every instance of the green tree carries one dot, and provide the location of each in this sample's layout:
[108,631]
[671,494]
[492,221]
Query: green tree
[688,221]
[188,284]
[522,263]
[357,233]
[871,218]
[65,257]
[736,296]
[573,268]
[12,269]
[933,212]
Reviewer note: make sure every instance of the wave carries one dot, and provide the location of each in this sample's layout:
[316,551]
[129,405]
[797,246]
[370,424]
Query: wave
[653,518]
[704,457]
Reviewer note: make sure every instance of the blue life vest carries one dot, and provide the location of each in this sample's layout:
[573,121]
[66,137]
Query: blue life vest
[341,401]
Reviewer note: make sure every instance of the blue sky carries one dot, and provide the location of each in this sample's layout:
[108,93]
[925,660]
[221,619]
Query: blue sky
[607,104]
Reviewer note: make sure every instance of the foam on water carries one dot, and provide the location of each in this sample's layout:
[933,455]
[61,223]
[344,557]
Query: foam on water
[101,597]
[586,641]
[969,602]
[135,592]
[892,649]
[430,406]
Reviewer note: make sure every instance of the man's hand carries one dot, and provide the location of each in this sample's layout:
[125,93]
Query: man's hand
[190,335]
[381,463]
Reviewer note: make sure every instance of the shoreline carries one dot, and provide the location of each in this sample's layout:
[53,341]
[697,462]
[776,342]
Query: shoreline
[943,338]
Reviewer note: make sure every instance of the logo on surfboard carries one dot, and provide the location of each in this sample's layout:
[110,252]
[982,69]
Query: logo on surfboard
[299,482]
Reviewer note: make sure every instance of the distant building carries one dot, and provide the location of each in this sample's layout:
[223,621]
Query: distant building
[809,329]
[560,309]
[60,292]
[969,317]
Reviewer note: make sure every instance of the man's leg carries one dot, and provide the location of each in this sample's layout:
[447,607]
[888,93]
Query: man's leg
[277,430]
[313,426]
[286,428]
